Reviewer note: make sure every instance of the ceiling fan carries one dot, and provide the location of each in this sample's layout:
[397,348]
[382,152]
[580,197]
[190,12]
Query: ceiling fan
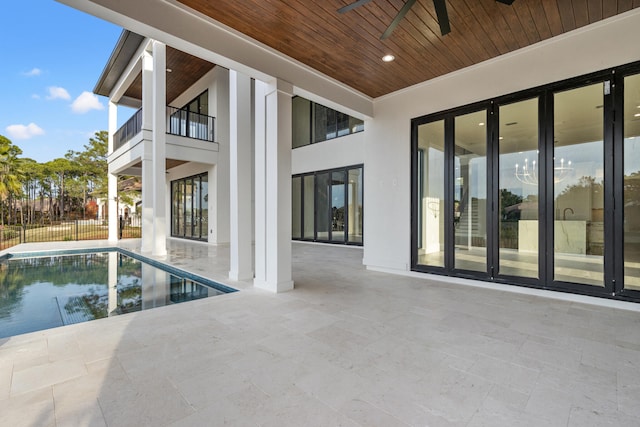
[441,12]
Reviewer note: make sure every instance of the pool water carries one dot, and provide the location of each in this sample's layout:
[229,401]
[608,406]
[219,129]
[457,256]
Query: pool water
[44,292]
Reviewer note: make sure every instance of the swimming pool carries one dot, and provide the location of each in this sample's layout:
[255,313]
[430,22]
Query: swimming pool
[50,289]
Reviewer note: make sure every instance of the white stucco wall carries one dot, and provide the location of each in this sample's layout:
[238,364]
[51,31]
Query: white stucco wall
[387,147]
[344,151]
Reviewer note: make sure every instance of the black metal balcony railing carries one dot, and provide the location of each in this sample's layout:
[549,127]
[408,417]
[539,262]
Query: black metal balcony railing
[131,128]
[190,124]
[180,122]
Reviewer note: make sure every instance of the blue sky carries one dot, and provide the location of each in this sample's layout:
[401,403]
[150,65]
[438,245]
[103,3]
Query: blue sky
[52,56]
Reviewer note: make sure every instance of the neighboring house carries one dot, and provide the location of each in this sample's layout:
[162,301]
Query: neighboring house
[502,152]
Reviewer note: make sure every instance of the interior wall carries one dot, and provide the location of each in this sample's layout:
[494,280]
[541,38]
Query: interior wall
[387,148]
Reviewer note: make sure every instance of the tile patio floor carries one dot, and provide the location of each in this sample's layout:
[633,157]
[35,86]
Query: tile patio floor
[347,347]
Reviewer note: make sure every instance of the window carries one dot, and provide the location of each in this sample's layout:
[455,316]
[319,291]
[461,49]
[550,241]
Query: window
[327,206]
[314,123]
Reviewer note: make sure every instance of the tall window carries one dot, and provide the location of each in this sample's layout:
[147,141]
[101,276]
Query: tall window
[314,123]
[327,206]
[189,207]
[192,120]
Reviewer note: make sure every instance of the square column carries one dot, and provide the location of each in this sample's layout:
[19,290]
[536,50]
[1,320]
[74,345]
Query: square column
[273,186]
[240,177]
[147,166]
[219,174]
[158,155]
[112,180]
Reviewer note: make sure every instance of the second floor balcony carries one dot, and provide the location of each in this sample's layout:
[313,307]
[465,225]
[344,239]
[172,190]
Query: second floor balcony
[180,122]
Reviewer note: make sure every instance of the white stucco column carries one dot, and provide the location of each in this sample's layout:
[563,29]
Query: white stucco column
[219,174]
[112,180]
[240,176]
[147,165]
[159,148]
[273,186]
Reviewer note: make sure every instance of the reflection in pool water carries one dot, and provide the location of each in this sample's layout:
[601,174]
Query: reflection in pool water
[45,292]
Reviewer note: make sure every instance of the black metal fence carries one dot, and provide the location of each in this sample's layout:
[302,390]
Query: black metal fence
[72,230]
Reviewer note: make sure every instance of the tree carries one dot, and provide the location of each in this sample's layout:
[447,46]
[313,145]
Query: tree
[10,175]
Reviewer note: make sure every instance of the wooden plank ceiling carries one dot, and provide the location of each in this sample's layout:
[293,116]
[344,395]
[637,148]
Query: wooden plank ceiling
[185,71]
[348,48]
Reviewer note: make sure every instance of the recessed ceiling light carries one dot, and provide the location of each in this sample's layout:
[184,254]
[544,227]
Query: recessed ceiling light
[636,115]
[502,137]
[388,58]
[481,124]
[169,70]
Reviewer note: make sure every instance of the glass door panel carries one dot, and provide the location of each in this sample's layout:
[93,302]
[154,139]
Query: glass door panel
[188,208]
[337,207]
[354,220]
[518,189]
[470,191]
[296,207]
[309,207]
[578,185]
[204,208]
[430,197]
[323,205]
[631,183]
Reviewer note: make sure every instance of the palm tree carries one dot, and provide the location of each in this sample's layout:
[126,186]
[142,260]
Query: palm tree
[10,184]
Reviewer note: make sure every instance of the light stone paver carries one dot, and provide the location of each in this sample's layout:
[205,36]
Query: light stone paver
[346,347]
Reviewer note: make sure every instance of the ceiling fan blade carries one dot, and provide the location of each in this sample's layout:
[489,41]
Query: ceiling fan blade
[353,5]
[443,16]
[508,2]
[397,19]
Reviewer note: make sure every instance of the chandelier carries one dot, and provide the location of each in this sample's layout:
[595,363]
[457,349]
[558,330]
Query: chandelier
[528,173]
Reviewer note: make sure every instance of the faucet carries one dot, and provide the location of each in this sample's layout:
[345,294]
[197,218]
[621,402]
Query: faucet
[564,213]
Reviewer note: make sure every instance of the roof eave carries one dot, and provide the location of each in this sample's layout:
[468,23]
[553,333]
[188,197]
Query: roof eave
[123,52]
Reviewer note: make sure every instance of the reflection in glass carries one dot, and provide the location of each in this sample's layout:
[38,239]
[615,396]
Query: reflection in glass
[354,191]
[470,191]
[632,182]
[188,208]
[309,206]
[301,121]
[204,206]
[518,188]
[337,206]
[578,162]
[296,207]
[430,197]
[323,206]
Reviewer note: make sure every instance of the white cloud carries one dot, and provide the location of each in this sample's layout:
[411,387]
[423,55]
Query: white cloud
[56,92]
[34,72]
[86,102]
[24,132]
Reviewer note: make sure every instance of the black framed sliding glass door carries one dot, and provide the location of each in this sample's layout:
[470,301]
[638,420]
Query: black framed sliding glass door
[519,179]
[190,207]
[470,191]
[577,170]
[630,182]
[327,206]
[539,188]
